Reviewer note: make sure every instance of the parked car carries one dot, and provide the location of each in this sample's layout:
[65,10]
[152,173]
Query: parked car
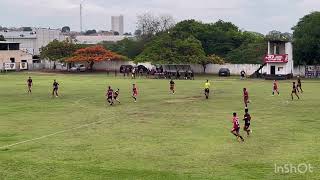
[224,72]
[78,68]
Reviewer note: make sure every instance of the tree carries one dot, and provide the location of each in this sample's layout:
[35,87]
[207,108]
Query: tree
[149,25]
[58,50]
[306,37]
[26,29]
[116,33]
[211,59]
[94,54]
[90,32]
[166,48]
[2,38]
[66,29]
[126,47]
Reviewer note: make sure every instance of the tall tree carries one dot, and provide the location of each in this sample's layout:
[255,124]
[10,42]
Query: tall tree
[65,29]
[306,37]
[58,50]
[94,54]
[2,38]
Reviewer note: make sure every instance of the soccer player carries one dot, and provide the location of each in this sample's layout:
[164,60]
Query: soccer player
[294,90]
[245,97]
[275,88]
[247,120]
[110,95]
[55,86]
[116,95]
[134,92]
[29,84]
[172,84]
[299,86]
[207,89]
[236,127]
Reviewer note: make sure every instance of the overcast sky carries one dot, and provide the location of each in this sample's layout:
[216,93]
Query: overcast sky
[253,15]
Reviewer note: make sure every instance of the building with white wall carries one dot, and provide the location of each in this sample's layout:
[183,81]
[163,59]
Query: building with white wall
[12,58]
[117,24]
[32,41]
[279,60]
[96,39]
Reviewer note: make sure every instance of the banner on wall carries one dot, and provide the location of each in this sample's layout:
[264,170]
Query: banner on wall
[272,58]
[9,66]
[23,65]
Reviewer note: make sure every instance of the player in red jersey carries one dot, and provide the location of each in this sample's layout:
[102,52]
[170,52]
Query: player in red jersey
[245,97]
[29,84]
[236,127]
[110,95]
[275,88]
[134,92]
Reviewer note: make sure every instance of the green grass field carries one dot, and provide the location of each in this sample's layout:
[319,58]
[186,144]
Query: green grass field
[162,136]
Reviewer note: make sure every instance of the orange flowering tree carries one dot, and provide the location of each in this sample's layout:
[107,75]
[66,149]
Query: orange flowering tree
[94,54]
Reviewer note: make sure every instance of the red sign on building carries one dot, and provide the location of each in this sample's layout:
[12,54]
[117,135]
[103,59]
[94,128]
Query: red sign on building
[272,58]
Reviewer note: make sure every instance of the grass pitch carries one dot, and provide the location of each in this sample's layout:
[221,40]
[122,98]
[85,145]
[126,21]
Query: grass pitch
[162,136]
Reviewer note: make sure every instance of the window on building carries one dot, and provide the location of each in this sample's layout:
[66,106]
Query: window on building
[13,60]
[280,68]
[23,60]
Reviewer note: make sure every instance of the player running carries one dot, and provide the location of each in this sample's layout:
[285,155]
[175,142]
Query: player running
[299,86]
[207,89]
[55,86]
[294,90]
[172,86]
[116,95]
[275,88]
[247,120]
[236,127]
[110,95]
[29,84]
[245,97]
[134,92]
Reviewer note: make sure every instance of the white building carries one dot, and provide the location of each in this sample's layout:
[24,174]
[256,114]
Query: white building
[117,24]
[12,58]
[32,41]
[96,39]
[279,61]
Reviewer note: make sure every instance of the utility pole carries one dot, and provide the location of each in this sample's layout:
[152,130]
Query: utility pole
[81,16]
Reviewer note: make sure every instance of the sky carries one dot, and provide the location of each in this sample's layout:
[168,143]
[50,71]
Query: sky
[251,15]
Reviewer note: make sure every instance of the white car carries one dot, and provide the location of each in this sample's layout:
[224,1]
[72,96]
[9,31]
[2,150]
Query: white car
[78,68]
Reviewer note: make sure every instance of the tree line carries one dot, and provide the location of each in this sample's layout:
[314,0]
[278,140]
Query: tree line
[160,40]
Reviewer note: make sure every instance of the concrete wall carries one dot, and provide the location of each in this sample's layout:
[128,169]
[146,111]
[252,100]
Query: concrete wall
[18,55]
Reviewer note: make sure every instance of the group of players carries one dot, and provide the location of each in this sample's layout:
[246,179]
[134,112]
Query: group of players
[113,96]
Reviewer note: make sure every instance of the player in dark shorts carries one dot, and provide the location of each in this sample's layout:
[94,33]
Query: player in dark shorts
[116,95]
[247,120]
[29,83]
[172,84]
[245,97]
[299,85]
[134,92]
[110,95]
[207,89]
[236,127]
[294,90]
[55,86]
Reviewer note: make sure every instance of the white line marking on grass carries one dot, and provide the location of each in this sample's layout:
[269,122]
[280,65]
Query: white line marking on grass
[49,135]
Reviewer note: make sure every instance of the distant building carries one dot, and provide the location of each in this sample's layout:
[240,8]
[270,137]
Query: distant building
[32,41]
[96,39]
[12,58]
[117,24]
